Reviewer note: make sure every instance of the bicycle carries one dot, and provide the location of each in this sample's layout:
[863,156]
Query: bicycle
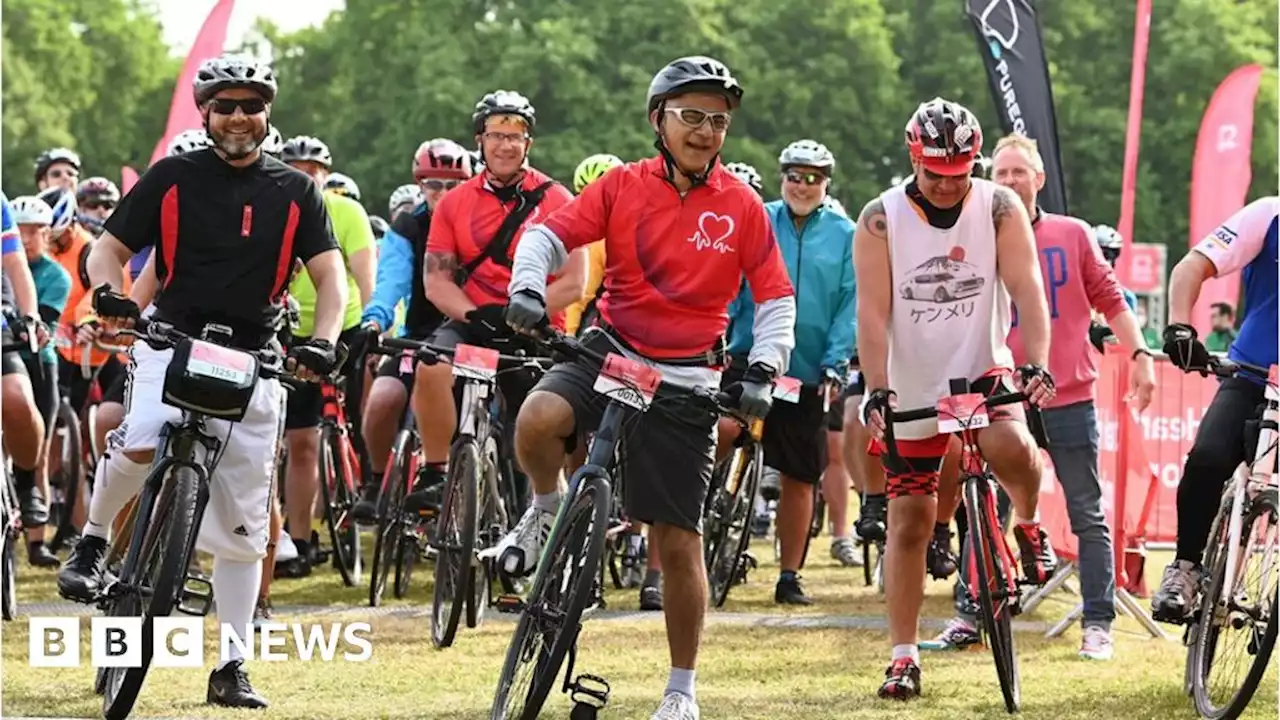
[154,579]
[567,573]
[339,465]
[993,575]
[1247,527]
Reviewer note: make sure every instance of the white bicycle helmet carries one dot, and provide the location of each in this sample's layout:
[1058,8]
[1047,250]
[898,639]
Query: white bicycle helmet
[188,141]
[343,185]
[305,148]
[807,153]
[64,208]
[1109,241]
[273,145]
[31,210]
[747,174]
[403,195]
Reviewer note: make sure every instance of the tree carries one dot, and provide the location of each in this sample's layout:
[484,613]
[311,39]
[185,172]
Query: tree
[94,76]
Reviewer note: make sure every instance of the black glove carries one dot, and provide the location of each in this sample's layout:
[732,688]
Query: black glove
[111,305]
[1027,373]
[487,324]
[316,355]
[1098,334]
[1185,351]
[526,311]
[877,400]
[754,392]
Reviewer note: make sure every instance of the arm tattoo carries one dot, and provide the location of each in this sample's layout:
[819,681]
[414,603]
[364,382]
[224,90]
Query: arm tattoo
[1003,204]
[874,220]
[442,263]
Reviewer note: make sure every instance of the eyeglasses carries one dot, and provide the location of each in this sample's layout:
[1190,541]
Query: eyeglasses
[695,118]
[502,138]
[58,173]
[809,178]
[249,106]
[438,185]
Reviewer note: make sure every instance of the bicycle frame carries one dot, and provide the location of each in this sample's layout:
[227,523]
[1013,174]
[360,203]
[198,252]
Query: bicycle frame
[334,415]
[1250,481]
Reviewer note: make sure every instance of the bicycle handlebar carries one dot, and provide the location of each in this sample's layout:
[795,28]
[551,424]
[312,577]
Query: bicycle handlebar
[892,416]
[1225,368]
[428,354]
[163,336]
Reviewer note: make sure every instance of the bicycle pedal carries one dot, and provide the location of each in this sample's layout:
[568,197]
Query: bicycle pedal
[510,604]
[590,693]
[196,596]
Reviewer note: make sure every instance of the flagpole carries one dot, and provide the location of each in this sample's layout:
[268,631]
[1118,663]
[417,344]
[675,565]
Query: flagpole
[1133,133]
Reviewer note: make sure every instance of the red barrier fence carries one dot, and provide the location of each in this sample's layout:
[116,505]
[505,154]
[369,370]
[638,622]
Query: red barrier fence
[1139,465]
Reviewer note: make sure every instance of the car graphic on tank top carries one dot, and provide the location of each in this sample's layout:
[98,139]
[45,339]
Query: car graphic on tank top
[942,279]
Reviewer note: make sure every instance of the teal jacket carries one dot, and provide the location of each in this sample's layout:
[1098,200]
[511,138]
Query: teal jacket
[819,259]
[53,289]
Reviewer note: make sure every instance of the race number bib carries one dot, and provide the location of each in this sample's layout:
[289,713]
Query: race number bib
[627,381]
[958,412]
[220,363]
[476,363]
[787,389]
[406,362]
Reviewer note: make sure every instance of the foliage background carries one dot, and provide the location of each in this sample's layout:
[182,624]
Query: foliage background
[377,79]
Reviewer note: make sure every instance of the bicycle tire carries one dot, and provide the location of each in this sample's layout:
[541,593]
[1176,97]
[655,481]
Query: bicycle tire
[391,517]
[73,450]
[491,528]
[1203,651]
[739,518]
[996,620]
[332,481]
[8,576]
[406,558]
[458,511]
[819,514]
[163,551]
[576,542]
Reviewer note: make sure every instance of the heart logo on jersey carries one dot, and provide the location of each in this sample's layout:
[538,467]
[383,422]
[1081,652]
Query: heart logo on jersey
[713,231]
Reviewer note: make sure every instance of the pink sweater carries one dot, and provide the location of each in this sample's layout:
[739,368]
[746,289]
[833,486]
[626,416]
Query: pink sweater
[1076,279]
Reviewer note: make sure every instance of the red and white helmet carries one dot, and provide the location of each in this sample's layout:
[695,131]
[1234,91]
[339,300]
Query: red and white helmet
[944,137]
[441,158]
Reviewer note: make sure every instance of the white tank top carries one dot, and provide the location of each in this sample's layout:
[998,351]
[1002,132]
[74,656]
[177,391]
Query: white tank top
[951,313]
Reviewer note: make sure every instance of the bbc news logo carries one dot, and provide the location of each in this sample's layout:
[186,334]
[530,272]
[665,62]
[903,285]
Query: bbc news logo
[179,642]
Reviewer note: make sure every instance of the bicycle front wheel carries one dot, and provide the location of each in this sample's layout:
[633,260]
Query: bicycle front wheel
[336,501]
[8,575]
[993,580]
[390,517]
[725,557]
[455,542]
[160,571]
[1236,627]
[552,615]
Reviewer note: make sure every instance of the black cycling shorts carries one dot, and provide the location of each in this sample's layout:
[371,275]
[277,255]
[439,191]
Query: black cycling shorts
[305,405]
[795,433]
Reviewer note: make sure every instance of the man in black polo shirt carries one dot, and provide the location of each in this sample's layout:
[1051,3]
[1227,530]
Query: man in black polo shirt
[228,223]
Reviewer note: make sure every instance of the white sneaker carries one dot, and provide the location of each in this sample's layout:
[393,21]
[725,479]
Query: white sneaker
[676,706]
[1096,644]
[519,550]
[844,551]
[285,549]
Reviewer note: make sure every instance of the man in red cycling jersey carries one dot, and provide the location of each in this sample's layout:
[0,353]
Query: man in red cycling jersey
[680,233]
[468,265]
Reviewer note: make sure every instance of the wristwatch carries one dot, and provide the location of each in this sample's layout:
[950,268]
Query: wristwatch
[1140,351]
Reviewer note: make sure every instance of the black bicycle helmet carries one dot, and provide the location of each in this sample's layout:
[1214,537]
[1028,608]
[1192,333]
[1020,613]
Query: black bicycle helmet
[502,102]
[695,73]
[233,71]
[305,148]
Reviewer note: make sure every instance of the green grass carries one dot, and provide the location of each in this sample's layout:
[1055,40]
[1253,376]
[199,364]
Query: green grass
[745,671]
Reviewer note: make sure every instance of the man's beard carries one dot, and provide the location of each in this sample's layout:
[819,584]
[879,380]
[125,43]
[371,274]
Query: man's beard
[237,149]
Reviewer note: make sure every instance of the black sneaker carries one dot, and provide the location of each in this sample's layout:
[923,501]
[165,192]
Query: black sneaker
[35,512]
[81,578]
[39,555]
[427,492]
[229,687]
[64,539]
[901,680]
[941,561]
[790,592]
[294,569]
[365,511]
[650,598]
[870,524]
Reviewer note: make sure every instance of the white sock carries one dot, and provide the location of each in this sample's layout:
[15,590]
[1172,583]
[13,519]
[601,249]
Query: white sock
[235,588]
[681,680]
[549,502]
[117,480]
[904,651]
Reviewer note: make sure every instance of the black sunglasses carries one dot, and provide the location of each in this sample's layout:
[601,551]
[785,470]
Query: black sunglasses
[438,185]
[807,178]
[249,106]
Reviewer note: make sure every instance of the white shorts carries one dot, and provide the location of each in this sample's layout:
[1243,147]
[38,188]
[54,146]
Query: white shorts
[236,519]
